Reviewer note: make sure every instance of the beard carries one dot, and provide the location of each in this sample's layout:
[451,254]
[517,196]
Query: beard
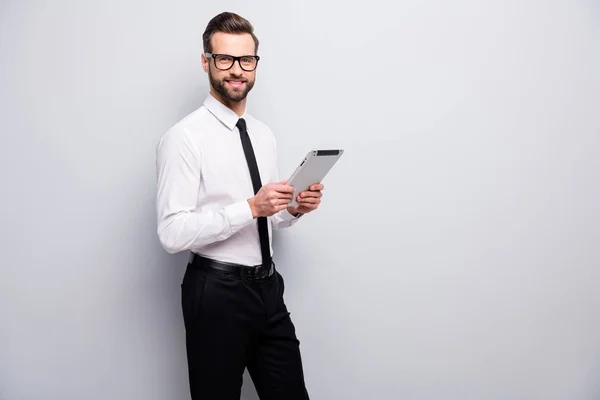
[229,93]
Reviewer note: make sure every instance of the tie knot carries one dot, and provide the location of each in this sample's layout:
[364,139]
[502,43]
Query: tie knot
[241,124]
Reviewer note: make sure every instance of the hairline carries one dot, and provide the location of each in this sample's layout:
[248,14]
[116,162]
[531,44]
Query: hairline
[211,47]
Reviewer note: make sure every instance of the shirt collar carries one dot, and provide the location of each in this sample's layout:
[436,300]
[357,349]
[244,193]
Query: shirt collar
[222,112]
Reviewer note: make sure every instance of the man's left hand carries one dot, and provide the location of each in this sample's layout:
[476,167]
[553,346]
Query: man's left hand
[308,200]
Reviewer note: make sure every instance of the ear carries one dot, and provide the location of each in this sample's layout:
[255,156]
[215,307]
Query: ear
[204,62]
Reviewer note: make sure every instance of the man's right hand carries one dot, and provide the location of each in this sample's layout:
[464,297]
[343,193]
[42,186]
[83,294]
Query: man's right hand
[270,199]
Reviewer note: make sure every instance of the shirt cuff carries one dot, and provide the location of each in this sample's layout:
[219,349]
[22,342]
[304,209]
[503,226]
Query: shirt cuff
[286,216]
[239,214]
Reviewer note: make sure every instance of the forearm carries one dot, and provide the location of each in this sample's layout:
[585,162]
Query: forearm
[185,230]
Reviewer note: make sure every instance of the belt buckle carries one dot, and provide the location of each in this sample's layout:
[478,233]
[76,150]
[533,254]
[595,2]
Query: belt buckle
[260,272]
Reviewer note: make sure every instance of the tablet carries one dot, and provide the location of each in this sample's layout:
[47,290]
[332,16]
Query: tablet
[313,168]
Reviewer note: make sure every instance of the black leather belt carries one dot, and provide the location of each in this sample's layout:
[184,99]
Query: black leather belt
[242,271]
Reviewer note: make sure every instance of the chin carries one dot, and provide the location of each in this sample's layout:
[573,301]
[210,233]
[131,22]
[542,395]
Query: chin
[236,96]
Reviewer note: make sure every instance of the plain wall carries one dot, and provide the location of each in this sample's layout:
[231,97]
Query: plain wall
[456,252]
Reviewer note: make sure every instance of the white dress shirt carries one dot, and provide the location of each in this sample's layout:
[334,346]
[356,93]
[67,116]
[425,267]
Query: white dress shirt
[204,185]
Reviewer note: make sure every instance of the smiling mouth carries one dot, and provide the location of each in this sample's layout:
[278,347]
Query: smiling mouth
[235,82]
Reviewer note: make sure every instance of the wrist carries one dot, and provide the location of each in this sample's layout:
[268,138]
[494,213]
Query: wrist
[252,207]
[293,210]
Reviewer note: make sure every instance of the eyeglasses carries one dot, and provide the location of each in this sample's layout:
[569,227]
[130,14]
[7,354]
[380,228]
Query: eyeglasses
[225,61]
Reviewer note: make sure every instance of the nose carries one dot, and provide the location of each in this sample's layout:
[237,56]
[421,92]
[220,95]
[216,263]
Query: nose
[236,68]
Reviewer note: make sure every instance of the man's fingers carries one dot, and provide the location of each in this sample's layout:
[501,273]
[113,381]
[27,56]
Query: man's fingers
[311,194]
[283,188]
[308,200]
[281,207]
[275,202]
[275,197]
[286,196]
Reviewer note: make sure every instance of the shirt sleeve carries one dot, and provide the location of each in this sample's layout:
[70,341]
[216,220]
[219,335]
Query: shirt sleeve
[180,225]
[283,219]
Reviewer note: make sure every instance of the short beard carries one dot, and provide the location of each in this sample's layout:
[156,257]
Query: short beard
[221,88]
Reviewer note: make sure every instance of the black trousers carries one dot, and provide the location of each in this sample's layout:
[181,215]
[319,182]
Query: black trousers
[235,323]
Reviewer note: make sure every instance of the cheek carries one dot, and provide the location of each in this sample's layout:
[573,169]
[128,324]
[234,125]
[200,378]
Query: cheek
[216,74]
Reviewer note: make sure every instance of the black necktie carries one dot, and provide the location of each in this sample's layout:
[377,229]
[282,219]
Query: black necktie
[263,231]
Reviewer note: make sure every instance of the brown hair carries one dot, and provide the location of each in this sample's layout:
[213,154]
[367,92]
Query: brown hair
[227,22]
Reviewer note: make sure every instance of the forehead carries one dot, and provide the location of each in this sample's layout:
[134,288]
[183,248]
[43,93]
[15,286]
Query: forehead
[238,44]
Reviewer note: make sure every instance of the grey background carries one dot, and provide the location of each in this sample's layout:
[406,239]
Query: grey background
[456,252]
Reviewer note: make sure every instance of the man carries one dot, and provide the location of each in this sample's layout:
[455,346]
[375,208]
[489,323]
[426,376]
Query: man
[220,197]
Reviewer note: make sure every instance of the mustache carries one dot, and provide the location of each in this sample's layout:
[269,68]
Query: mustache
[235,78]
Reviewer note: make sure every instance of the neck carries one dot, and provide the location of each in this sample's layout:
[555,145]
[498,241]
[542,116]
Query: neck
[237,107]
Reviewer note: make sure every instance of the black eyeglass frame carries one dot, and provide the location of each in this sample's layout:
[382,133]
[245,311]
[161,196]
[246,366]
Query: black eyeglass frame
[238,59]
